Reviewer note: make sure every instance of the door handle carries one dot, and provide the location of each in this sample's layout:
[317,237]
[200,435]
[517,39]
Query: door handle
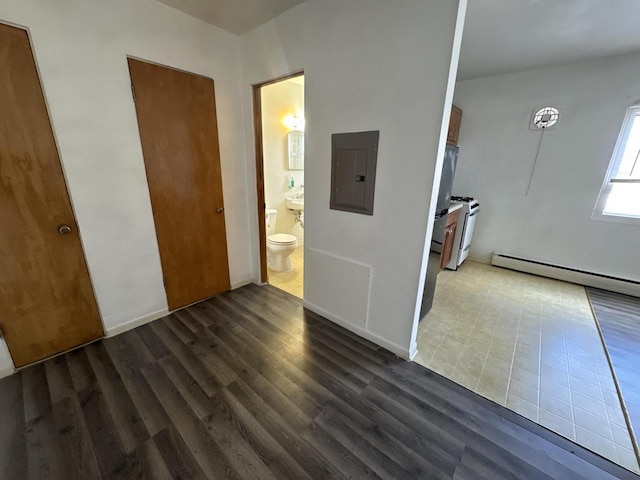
[219,210]
[64,229]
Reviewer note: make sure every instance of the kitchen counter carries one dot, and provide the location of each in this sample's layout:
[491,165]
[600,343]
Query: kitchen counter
[454,206]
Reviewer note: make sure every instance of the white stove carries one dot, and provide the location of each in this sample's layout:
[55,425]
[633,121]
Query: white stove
[464,231]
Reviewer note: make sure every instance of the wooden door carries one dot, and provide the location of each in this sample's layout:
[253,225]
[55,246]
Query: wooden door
[454,125]
[47,303]
[179,134]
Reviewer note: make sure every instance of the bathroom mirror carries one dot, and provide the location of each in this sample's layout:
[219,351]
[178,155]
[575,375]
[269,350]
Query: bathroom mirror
[295,150]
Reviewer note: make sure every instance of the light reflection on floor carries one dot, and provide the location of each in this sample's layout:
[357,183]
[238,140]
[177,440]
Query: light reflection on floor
[291,282]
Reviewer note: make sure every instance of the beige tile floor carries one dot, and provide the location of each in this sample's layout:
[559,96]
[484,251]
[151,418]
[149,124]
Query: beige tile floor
[530,344]
[290,282]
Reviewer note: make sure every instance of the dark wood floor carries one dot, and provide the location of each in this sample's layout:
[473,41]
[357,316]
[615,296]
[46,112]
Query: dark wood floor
[248,385]
[619,320]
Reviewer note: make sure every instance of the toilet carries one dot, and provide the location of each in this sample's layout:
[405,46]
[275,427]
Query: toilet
[280,246]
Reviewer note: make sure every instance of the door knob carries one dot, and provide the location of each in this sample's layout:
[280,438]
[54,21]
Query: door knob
[219,210]
[64,229]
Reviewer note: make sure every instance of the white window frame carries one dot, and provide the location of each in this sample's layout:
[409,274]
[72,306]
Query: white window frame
[616,158]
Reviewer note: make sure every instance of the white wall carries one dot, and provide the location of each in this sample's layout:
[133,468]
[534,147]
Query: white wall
[553,223]
[278,100]
[81,48]
[369,65]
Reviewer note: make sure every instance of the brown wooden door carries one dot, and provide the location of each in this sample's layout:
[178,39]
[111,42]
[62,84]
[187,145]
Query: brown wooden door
[179,134]
[454,125]
[47,303]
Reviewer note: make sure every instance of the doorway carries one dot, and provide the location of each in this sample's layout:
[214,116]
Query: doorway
[47,304]
[176,114]
[279,129]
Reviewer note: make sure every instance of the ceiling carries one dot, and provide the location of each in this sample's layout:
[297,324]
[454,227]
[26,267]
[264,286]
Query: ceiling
[504,36]
[235,16]
[500,36]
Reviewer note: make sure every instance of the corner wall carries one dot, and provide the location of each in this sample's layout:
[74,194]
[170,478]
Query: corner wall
[553,222]
[369,65]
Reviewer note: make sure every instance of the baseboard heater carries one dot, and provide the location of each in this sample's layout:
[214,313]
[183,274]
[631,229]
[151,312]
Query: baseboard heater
[568,274]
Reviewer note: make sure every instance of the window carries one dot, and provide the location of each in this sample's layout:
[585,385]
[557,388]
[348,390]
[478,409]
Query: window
[619,197]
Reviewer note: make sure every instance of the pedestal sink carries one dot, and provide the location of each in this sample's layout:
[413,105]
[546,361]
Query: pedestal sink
[295,203]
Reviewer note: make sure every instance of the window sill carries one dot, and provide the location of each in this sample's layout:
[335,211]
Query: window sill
[616,219]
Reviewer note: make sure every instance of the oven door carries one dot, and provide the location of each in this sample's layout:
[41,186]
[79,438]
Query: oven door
[467,234]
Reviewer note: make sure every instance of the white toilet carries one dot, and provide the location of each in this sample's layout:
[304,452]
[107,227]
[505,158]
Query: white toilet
[280,246]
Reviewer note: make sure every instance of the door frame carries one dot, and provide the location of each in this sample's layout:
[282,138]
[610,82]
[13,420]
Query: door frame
[65,179]
[258,143]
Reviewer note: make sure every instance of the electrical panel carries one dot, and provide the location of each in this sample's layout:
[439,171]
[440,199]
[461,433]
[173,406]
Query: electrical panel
[353,171]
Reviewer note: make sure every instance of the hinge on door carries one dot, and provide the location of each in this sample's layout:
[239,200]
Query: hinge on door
[164,282]
[133,93]
[1,334]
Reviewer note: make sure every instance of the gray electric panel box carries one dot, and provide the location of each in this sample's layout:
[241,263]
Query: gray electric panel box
[353,171]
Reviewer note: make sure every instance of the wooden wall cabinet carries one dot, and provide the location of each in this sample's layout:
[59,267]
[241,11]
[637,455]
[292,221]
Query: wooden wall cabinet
[454,125]
[449,237]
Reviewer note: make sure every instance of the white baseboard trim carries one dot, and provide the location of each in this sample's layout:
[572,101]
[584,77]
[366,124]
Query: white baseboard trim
[372,337]
[243,282]
[6,371]
[413,351]
[568,274]
[136,322]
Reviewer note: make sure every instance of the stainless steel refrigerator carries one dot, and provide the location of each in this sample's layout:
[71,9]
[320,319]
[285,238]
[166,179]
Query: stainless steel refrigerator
[439,222]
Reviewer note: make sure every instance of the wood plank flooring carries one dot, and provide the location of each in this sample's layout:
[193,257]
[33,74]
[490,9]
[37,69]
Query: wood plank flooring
[250,385]
[619,319]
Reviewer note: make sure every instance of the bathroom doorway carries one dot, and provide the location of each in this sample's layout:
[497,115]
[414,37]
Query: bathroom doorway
[279,135]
